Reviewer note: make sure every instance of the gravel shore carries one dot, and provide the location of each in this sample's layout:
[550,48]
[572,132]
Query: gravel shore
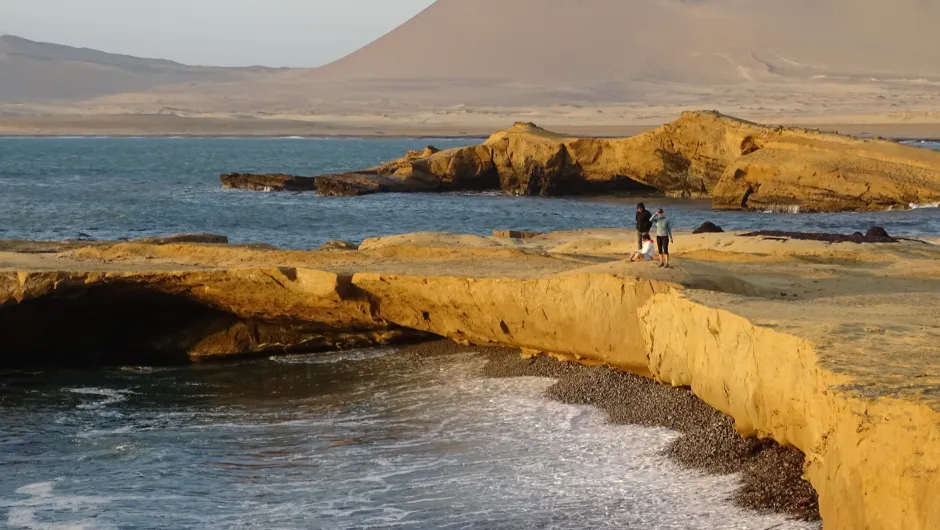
[771,473]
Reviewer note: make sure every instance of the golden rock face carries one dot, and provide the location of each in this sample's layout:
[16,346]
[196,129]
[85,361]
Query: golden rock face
[739,164]
[829,347]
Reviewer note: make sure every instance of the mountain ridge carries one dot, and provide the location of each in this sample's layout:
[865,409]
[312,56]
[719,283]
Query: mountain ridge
[485,62]
[36,71]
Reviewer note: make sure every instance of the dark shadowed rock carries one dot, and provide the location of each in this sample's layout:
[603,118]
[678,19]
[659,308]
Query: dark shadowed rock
[857,237]
[213,239]
[708,227]
[876,233]
[339,245]
[516,234]
[267,182]
[349,185]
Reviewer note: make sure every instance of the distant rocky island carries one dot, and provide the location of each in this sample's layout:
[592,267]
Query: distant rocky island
[740,165]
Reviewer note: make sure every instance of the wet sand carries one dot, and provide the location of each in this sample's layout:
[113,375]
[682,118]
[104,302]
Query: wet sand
[771,474]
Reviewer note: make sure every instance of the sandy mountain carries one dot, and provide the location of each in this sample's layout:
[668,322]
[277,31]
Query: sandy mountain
[588,42]
[544,52]
[479,64]
[36,71]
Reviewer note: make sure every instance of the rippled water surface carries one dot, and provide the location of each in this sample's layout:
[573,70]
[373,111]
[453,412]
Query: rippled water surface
[367,439]
[108,188]
[361,440]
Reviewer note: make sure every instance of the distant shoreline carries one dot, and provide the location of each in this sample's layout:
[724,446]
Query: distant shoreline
[250,136]
[159,126]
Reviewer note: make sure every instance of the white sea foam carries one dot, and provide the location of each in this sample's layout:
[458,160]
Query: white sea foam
[928,144]
[783,208]
[107,396]
[423,445]
[28,513]
[334,357]
[915,206]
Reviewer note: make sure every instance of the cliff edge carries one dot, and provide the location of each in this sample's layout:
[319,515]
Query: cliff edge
[828,347]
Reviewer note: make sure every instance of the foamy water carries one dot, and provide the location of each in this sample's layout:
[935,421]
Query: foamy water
[362,440]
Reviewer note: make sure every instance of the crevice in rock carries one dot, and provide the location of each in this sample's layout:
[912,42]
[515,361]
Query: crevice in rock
[747,195]
[749,145]
[128,324]
[106,325]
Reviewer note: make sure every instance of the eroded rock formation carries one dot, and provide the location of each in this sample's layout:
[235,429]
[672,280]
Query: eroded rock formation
[179,316]
[267,182]
[739,164]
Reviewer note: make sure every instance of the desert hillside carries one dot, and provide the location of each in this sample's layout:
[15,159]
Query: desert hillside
[471,66]
[38,71]
[589,42]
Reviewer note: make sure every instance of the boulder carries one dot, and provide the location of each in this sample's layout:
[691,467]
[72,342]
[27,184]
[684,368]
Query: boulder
[708,227]
[739,164]
[267,182]
[878,233]
[339,245]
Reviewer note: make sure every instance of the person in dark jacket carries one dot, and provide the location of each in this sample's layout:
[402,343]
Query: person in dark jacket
[644,223]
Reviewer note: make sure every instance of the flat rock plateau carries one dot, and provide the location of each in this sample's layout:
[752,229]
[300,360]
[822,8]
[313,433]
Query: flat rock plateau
[828,347]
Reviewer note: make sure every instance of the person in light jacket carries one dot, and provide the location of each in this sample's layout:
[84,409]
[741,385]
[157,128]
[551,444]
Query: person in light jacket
[663,236]
[646,252]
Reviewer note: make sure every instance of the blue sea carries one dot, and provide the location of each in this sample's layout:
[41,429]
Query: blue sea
[349,440]
[111,188]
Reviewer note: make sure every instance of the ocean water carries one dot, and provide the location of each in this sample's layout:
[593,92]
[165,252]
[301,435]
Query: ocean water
[365,439]
[110,188]
[355,440]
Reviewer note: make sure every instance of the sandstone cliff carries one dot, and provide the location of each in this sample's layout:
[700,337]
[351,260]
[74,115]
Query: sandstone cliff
[741,165]
[836,356]
[168,317]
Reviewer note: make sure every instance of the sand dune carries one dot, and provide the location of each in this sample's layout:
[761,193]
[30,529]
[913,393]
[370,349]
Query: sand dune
[678,41]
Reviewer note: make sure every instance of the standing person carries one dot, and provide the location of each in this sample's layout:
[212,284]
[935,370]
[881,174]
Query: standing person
[663,236]
[644,224]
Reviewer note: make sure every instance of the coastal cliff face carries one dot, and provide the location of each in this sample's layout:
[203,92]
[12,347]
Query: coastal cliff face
[179,316]
[772,383]
[739,164]
[836,357]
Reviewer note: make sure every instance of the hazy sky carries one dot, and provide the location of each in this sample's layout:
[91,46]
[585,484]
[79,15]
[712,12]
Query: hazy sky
[211,32]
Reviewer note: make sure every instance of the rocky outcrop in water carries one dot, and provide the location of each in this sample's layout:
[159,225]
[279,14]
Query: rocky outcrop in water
[875,234]
[739,164]
[708,227]
[184,238]
[267,182]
